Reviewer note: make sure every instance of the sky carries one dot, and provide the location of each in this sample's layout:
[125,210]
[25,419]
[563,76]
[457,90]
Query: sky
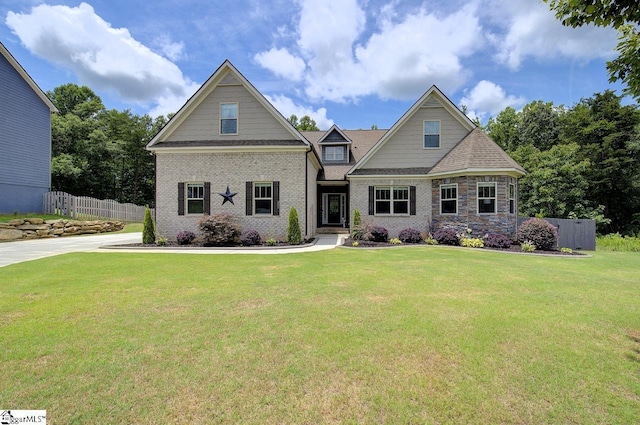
[353,63]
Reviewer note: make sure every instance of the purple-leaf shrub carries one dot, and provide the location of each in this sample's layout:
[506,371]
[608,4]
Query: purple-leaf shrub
[446,236]
[185,237]
[410,236]
[250,237]
[497,240]
[539,232]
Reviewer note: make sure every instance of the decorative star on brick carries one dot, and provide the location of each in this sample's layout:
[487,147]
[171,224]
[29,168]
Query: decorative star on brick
[228,196]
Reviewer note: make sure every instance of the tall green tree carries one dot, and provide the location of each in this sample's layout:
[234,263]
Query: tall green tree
[624,16]
[306,123]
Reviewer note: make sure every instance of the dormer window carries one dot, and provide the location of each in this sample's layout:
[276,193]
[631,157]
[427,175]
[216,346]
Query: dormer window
[334,153]
[228,118]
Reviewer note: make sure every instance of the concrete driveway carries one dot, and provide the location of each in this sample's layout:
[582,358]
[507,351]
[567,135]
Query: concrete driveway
[32,249]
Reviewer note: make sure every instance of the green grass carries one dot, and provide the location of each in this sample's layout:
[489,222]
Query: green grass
[7,217]
[428,335]
[617,242]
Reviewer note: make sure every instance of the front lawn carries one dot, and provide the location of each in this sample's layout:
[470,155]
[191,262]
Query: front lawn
[428,335]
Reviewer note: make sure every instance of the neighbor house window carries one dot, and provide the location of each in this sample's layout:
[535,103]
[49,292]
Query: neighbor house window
[486,198]
[228,118]
[392,200]
[195,198]
[449,199]
[334,153]
[432,134]
[263,197]
[512,198]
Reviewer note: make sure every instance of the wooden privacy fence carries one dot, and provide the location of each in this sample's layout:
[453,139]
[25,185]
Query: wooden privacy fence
[574,234]
[86,208]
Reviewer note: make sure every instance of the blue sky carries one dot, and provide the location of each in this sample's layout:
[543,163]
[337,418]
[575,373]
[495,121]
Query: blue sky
[354,63]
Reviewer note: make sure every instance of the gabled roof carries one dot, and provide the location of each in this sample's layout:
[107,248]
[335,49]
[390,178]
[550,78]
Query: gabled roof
[334,128]
[443,101]
[476,153]
[212,82]
[26,77]
[361,142]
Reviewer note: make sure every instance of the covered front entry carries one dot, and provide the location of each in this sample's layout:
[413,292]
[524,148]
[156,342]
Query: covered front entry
[333,203]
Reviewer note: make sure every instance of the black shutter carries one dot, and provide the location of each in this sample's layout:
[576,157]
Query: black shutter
[412,200]
[372,195]
[276,198]
[249,198]
[207,198]
[180,198]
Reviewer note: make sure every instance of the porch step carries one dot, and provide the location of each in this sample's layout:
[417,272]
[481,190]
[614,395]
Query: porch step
[332,230]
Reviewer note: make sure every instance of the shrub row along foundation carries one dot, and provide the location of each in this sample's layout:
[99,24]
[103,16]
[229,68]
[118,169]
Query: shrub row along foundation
[34,228]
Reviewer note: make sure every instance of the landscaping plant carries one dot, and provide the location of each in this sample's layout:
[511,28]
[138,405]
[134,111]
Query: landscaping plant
[148,228]
[497,240]
[185,237]
[294,236]
[219,229]
[446,236]
[410,236]
[539,232]
[250,237]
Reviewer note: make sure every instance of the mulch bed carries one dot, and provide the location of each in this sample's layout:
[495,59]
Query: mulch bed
[513,248]
[200,245]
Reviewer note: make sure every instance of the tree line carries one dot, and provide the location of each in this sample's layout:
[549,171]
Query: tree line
[582,161]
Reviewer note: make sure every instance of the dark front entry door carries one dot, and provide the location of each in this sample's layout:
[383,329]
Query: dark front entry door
[333,213]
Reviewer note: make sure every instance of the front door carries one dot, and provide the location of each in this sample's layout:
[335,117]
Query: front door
[334,209]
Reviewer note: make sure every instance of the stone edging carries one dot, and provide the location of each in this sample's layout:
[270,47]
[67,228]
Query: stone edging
[37,228]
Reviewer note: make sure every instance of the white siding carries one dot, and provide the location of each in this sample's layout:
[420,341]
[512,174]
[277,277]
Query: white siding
[254,121]
[405,148]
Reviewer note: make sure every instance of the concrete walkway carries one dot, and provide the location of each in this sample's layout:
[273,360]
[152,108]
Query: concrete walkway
[33,249]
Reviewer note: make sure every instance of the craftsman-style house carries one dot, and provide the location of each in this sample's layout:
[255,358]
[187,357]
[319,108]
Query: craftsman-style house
[433,167]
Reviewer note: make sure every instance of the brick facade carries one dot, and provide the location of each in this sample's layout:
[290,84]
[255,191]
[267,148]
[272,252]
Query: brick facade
[501,222]
[394,224]
[234,170]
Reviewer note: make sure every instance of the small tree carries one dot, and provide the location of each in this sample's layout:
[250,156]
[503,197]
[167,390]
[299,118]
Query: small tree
[294,236]
[357,220]
[148,228]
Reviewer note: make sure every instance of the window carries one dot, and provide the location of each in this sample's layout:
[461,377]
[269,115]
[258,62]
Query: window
[392,200]
[195,198]
[228,118]
[431,134]
[334,153]
[449,199]
[262,197]
[486,198]
[512,198]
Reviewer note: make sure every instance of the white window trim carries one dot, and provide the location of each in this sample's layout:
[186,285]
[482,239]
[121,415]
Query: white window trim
[449,185]
[512,198]
[342,149]
[391,200]
[495,197]
[187,199]
[220,119]
[439,134]
[255,199]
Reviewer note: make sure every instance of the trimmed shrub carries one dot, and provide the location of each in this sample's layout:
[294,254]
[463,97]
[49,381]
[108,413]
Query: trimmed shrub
[148,228]
[497,240]
[219,229]
[185,237]
[471,242]
[446,236]
[410,236]
[357,220]
[250,237]
[378,234]
[294,236]
[538,232]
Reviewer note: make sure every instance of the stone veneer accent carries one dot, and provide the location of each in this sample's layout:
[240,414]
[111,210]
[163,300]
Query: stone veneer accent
[233,169]
[501,222]
[34,228]
[394,224]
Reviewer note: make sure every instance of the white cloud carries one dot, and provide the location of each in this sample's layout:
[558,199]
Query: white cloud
[103,57]
[287,107]
[282,63]
[532,30]
[488,98]
[401,59]
[170,49]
